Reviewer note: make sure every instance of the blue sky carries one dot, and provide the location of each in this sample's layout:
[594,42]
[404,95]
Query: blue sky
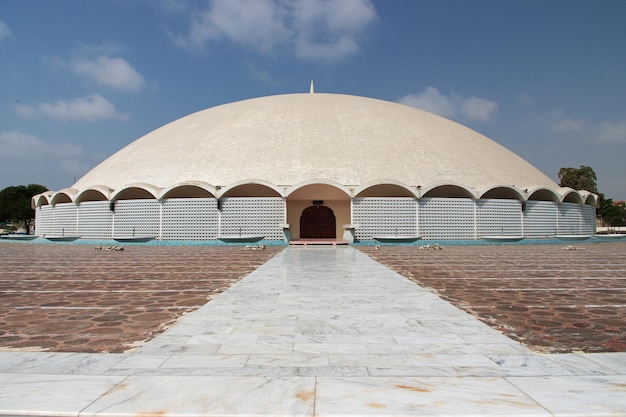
[83,78]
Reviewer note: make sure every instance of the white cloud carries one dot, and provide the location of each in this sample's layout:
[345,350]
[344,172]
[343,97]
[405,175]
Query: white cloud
[611,132]
[256,23]
[83,109]
[314,29]
[113,72]
[478,109]
[430,99]
[473,108]
[581,130]
[29,159]
[559,123]
[5,32]
[17,144]
[327,30]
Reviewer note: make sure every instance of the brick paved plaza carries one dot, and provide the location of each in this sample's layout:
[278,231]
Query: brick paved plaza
[553,298]
[74,298]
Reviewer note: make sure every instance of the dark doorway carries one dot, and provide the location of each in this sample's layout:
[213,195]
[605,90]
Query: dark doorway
[318,222]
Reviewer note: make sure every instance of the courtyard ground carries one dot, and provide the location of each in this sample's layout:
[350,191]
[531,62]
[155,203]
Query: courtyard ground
[74,298]
[552,298]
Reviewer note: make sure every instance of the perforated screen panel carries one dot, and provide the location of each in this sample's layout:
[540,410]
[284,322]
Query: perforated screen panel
[257,216]
[64,220]
[499,217]
[134,218]
[447,218]
[570,219]
[44,220]
[540,219]
[95,220]
[384,216]
[189,218]
[199,218]
[588,220]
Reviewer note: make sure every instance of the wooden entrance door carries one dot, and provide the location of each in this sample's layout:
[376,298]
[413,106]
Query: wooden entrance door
[318,222]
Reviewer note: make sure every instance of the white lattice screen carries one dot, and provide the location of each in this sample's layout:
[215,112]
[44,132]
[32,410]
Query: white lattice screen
[540,219]
[499,217]
[95,220]
[198,218]
[588,220]
[380,216]
[44,220]
[64,220]
[570,222]
[134,218]
[447,218]
[189,218]
[259,216]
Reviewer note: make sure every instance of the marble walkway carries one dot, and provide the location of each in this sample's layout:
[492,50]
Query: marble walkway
[318,331]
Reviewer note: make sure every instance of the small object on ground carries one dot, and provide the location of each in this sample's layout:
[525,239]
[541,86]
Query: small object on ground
[570,247]
[110,248]
[255,247]
[433,246]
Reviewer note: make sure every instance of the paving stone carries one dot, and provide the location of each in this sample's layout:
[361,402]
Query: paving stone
[71,298]
[548,298]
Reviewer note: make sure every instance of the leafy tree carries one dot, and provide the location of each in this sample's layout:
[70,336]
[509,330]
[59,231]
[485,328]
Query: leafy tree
[583,178]
[15,203]
[612,214]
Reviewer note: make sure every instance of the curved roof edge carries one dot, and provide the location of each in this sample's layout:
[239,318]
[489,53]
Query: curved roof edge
[318,181]
[364,187]
[69,193]
[431,187]
[101,189]
[211,189]
[149,188]
[540,193]
[281,191]
[503,191]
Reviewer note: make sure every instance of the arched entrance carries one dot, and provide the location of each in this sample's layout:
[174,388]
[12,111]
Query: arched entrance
[318,222]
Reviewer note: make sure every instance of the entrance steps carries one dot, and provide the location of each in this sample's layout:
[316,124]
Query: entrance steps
[307,242]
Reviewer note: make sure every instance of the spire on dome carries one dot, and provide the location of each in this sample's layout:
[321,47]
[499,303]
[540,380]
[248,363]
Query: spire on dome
[312,90]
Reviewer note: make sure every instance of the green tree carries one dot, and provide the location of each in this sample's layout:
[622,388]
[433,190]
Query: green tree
[15,203]
[583,178]
[612,214]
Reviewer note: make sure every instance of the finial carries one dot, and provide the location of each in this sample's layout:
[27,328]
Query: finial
[312,90]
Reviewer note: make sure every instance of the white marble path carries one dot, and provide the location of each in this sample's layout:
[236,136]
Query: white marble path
[318,331]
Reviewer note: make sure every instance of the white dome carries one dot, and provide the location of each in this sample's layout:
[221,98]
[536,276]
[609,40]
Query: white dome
[297,138]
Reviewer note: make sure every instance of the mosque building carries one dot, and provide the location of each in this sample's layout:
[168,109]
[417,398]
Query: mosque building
[314,166]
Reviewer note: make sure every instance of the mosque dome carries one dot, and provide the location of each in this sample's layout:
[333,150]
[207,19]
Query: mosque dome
[296,167]
[290,139]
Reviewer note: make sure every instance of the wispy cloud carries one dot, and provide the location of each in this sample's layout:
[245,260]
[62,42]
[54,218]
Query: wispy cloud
[101,63]
[113,72]
[559,123]
[328,30]
[84,109]
[430,99]
[611,132]
[256,23]
[582,130]
[5,32]
[17,144]
[45,159]
[472,108]
[325,30]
